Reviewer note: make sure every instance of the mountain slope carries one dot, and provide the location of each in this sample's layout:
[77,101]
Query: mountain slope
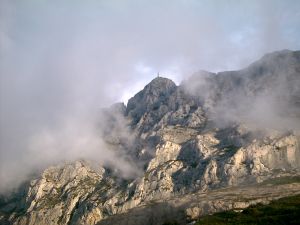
[197,148]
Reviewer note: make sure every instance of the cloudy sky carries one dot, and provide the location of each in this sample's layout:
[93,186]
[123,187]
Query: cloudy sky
[60,61]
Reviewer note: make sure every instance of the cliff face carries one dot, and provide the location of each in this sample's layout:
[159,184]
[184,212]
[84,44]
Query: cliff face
[187,145]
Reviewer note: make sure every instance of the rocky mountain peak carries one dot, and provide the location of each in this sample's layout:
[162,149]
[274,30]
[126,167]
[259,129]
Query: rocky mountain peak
[276,64]
[280,54]
[150,98]
[158,87]
[191,162]
[161,83]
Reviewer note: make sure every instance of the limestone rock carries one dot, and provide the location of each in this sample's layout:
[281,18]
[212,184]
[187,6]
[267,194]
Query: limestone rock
[191,163]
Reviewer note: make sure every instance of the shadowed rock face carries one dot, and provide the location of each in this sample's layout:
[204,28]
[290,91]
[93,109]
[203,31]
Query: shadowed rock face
[197,146]
[154,97]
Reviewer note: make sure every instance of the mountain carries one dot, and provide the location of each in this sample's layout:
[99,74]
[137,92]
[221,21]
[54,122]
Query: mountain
[218,141]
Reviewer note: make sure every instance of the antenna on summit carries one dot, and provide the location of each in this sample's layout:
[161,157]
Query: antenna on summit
[158,74]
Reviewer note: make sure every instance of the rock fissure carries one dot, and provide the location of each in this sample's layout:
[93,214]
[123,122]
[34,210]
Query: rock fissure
[194,157]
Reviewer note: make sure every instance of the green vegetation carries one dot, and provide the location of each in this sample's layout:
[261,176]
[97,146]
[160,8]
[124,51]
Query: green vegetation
[171,223]
[283,211]
[282,180]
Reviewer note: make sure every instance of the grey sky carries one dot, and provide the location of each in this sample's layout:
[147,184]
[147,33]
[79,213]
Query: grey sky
[63,60]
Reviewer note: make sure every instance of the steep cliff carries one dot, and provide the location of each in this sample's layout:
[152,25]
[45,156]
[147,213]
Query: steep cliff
[200,147]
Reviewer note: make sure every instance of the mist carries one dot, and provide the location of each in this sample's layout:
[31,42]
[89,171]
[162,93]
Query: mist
[63,61]
[263,96]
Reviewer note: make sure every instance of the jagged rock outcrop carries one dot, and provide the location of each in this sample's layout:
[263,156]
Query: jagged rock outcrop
[193,158]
